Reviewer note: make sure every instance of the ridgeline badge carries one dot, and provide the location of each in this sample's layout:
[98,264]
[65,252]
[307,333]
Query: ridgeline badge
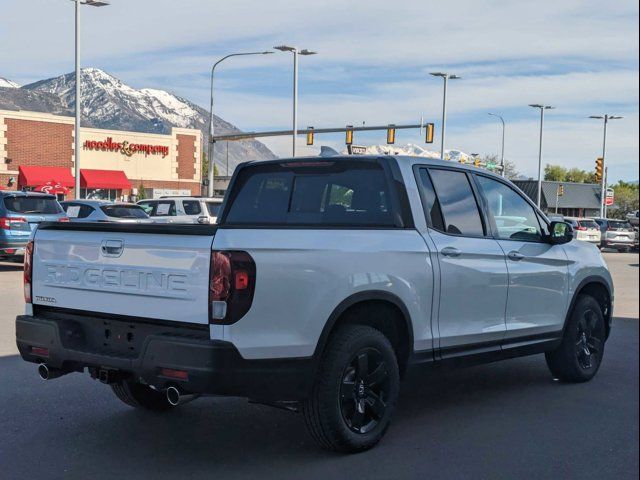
[126,148]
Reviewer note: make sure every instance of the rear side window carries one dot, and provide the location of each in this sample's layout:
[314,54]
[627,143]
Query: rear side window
[123,211]
[191,207]
[32,205]
[460,212]
[313,193]
[213,208]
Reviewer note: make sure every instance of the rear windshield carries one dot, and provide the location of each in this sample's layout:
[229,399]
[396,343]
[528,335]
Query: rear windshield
[588,224]
[312,193]
[213,208]
[32,205]
[619,225]
[124,211]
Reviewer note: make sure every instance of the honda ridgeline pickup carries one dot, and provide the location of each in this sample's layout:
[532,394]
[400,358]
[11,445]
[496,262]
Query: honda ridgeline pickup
[323,282]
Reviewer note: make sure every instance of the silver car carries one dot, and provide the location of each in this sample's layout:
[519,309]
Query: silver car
[183,209]
[104,211]
[618,234]
[585,229]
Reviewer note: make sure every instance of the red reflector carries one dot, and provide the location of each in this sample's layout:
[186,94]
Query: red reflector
[40,351]
[171,373]
[10,251]
[582,229]
[242,280]
[63,219]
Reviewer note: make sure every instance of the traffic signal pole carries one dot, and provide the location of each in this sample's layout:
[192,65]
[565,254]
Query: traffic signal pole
[603,182]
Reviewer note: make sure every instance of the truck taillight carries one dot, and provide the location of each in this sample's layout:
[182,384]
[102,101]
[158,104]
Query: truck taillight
[582,229]
[28,271]
[232,281]
[8,223]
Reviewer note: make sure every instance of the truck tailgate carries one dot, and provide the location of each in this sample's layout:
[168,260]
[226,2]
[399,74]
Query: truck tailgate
[138,271]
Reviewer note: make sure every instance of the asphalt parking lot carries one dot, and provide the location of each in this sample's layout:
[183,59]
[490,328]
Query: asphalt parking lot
[505,420]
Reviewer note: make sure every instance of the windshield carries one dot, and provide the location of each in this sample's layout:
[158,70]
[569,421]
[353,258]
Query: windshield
[124,211]
[33,205]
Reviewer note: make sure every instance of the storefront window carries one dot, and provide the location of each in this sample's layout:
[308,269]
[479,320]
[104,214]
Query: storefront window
[101,194]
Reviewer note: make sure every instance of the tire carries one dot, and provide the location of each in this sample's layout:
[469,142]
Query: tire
[623,250]
[141,396]
[580,354]
[356,391]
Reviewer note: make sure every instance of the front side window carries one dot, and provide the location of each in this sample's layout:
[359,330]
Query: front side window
[123,211]
[460,211]
[513,217]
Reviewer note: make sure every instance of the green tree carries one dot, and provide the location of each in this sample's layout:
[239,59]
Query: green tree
[142,193]
[555,173]
[626,199]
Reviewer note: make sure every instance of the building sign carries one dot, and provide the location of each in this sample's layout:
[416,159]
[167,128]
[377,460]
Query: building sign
[126,148]
[609,197]
[356,150]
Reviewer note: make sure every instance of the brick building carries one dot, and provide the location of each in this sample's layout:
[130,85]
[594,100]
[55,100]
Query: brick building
[37,153]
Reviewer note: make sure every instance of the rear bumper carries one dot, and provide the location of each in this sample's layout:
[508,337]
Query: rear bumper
[619,243]
[213,366]
[13,243]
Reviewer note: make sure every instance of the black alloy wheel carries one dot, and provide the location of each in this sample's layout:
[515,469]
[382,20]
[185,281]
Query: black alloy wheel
[364,390]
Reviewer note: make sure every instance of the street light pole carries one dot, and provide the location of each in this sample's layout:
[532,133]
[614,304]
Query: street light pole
[503,129]
[445,77]
[603,182]
[78,99]
[539,190]
[296,52]
[210,150]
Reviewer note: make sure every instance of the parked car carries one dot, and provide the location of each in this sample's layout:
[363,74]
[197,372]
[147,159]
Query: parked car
[617,234]
[323,282]
[585,229]
[20,213]
[555,217]
[183,209]
[104,211]
[632,217]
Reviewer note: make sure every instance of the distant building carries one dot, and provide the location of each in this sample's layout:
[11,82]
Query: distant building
[578,200]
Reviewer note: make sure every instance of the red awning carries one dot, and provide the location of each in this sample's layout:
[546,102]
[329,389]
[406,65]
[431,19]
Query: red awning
[110,179]
[38,176]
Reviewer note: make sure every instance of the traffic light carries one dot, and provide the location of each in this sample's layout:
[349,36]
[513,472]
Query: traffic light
[349,135]
[476,162]
[599,169]
[310,136]
[391,134]
[429,133]
[560,190]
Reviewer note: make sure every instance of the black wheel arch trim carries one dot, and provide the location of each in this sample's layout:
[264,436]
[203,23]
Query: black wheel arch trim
[583,283]
[354,299]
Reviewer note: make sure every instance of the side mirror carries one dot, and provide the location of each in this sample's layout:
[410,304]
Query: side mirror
[560,233]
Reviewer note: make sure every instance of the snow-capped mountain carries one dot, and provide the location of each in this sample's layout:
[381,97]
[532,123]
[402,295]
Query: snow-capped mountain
[5,83]
[416,151]
[107,102]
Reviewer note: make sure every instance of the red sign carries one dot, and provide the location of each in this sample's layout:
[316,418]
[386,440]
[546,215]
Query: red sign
[126,148]
[53,188]
[609,197]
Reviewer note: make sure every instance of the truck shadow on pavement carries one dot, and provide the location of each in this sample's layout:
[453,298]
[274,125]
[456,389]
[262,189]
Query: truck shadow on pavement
[439,411]
[10,267]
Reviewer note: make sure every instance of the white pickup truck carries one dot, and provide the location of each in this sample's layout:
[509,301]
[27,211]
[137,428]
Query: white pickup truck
[325,279]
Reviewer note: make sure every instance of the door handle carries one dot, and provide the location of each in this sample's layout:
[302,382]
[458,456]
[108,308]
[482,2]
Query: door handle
[515,256]
[451,252]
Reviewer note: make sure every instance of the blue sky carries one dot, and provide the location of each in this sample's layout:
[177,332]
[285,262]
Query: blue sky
[372,66]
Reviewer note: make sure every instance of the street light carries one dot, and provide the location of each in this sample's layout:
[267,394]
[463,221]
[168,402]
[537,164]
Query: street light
[91,3]
[542,109]
[603,182]
[296,52]
[211,128]
[446,77]
[503,128]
